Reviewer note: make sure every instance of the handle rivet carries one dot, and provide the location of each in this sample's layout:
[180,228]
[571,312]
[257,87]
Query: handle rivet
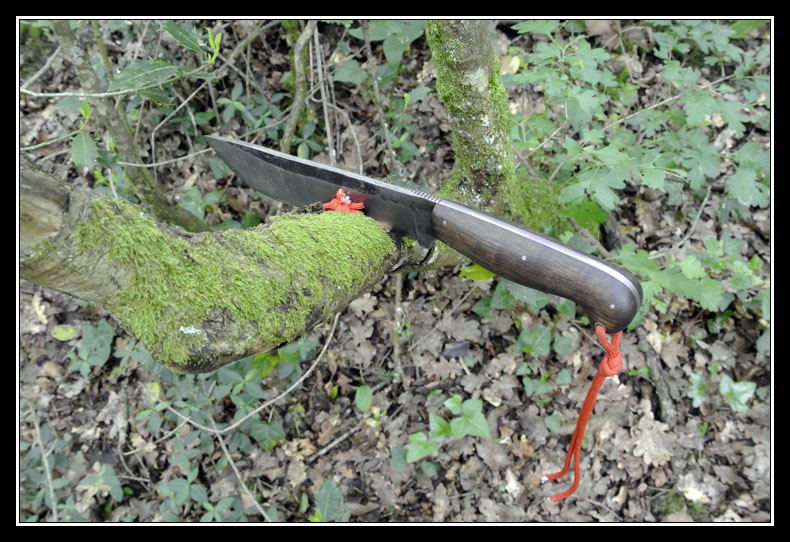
[611,306]
[444,222]
[523,258]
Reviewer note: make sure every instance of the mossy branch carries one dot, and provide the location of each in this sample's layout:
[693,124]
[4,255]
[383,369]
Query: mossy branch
[198,300]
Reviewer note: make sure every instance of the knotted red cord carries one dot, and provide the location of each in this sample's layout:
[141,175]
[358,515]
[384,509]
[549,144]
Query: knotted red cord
[609,367]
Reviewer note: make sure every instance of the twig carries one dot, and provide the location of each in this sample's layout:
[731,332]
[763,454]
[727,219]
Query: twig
[377,99]
[587,235]
[267,403]
[334,443]
[319,63]
[41,71]
[686,237]
[243,486]
[53,502]
[301,90]
[668,412]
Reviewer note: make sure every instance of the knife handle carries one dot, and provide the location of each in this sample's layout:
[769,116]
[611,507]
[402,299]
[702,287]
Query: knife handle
[610,295]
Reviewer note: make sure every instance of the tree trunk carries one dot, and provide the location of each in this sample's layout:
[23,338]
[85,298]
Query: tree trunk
[197,301]
[469,83]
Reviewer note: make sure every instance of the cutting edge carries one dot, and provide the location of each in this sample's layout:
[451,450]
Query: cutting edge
[298,181]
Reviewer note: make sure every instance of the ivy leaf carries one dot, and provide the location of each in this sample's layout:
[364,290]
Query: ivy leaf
[553,423]
[420,447]
[536,342]
[329,503]
[440,427]
[472,422]
[192,201]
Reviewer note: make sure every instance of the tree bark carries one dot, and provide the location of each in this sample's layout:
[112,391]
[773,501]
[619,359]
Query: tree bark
[469,83]
[197,300]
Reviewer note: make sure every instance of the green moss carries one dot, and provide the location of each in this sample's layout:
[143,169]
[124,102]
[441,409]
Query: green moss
[477,103]
[674,502]
[264,281]
[533,202]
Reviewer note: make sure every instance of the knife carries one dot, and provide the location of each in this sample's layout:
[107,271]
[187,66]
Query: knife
[610,296]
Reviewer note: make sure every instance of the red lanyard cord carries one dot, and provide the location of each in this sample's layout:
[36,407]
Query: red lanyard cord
[609,367]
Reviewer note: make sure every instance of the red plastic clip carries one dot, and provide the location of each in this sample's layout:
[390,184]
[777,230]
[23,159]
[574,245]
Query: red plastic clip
[343,203]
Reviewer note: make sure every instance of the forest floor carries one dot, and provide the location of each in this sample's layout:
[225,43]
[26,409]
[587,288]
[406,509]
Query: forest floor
[649,455]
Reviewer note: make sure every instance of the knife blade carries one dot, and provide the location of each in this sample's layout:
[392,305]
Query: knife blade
[610,295]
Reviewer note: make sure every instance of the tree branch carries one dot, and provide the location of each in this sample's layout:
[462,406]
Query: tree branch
[197,301]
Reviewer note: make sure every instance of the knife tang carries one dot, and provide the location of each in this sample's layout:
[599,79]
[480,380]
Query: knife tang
[609,295]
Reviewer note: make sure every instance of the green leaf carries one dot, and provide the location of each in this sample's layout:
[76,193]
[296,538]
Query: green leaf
[96,343]
[536,27]
[696,391]
[268,434]
[483,307]
[742,27]
[350,72]
[653,178]
[744,186]
[186,37]
[83,150]
[598,183]
[476,272]
[192,201]
[453,404]
[553,423]
[736,393]
[142,73]
[329,503]
[363,397]
[439,427]
[420,447]
[502,298]
[535,299]
[563,377]
[582,105]
[536,342]
[698,105]
[536,386]
[692,268]
[64,332]
[471,422]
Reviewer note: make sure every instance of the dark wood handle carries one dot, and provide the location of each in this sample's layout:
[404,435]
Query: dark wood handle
[609,295]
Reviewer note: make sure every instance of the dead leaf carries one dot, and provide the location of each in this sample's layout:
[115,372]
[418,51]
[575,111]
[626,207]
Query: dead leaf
[653,443]
[460,328]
